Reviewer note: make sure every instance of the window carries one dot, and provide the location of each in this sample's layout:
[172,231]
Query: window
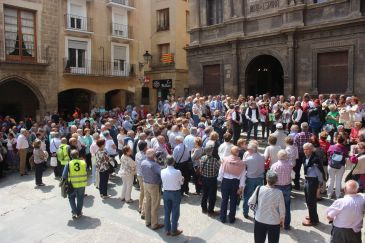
[119,62]
[77,19]
[163,19]
[19,34]
[332,72]
[77,53]
[214,12]
[164,53]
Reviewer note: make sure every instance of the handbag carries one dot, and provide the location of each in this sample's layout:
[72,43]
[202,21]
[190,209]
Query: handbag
[53,162]
[66,186]
[253,207]
[268,162]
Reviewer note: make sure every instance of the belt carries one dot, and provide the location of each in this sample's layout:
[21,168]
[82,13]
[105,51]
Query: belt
[171,190]
[311,178]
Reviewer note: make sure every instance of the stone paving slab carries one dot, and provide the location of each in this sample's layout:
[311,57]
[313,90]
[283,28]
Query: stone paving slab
[29,214]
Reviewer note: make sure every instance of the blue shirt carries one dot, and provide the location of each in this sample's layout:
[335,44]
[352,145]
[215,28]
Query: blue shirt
[151,172]
[181,153]
[127,125]
[189,142]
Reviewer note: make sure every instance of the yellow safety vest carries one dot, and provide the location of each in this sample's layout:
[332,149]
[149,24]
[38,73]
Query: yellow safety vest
[77,173]
[62,154]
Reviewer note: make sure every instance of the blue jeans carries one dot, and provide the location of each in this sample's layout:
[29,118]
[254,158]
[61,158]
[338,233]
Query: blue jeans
[251,184]
[77,197]
[171,201]
[229,193]
[286,193]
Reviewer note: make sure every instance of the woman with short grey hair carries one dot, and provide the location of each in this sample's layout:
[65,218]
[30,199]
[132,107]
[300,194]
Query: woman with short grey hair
[270,210]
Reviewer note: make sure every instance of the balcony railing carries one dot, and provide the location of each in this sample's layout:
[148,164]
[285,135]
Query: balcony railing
[126,3]
[122,31]
[78,23]
[98,68]
[38,56]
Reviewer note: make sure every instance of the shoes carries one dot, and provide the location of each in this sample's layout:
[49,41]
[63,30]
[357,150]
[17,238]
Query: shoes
[168,233]
[287,227]
[122,199]
[231,221]
[246,216]
[296,188]
[158,226]
[105,196]
[223,220]
[307,218]
[178,232]
[79,215]
[148,224]
[74,216]
[129,201]
[142,216]
[308,223]
[42,184]
[213,214]
[204,211]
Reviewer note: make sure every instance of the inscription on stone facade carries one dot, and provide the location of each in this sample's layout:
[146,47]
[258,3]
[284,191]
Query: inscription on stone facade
[258,6]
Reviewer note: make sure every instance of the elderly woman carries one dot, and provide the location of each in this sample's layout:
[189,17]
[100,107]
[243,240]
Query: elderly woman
[196,153]
[336,170]
[93,150]
[270,210]
[283,169]
[40,158]
[255,169]
[103,165]
[214,140]
[127,172]
[271,152]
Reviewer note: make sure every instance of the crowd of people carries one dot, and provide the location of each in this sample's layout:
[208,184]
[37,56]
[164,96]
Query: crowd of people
[210,142]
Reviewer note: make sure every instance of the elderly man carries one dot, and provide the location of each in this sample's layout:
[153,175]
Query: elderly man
[283,169]
[255,170]
[22,145]
[280,135]
[171,183]
[252,116]
[189,140]
[151,174]
[314,174]
[209,168]
[224,149]
[140,157]
[182,157]
[347,215]
[232,174]
[236,123]
[299,140]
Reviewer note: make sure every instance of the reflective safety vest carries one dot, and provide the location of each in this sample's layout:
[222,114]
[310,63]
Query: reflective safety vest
[62,154]
[77,173]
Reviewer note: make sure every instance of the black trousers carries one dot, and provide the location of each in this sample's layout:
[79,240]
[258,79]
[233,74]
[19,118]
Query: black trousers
[261,230]
[103,184]
[185,172]
[38,173]
[236,132]
[251,126]
[297,167]
[197,180]
[310,192]
[88,160]
[209,193]
[229,189]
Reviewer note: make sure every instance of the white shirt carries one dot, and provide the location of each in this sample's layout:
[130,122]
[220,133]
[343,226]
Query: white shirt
[109,147]
[54,145]
[234,114]
[171,179]
[22,142]
[224,150]
[272,153]
[120,138]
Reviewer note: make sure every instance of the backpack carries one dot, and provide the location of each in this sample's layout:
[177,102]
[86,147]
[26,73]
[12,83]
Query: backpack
[337,160]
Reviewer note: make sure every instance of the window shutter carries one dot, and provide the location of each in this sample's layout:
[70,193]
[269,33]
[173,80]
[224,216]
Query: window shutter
[120,53]
[77,44]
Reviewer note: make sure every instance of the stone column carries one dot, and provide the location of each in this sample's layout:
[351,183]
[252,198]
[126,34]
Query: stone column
[227,9]
[235,67]
[289,85]
[194,6]
[203,12]
[355,8]
[283,3]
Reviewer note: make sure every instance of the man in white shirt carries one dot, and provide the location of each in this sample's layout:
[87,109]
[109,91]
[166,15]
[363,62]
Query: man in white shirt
[236,123]
[252,116]
[110,147]
[22,145]
[347,215]
[171,184]
[280,135]
[224,149]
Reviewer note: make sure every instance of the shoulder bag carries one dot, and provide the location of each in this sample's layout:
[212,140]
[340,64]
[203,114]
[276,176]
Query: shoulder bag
[253,207]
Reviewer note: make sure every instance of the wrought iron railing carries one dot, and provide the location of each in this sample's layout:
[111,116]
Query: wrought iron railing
[78,23]
[121,30]
[98,68]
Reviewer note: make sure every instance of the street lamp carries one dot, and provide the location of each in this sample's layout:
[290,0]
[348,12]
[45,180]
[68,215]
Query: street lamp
[147,57]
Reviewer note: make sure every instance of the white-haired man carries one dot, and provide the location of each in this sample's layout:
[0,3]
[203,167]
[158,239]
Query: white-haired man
[181,155]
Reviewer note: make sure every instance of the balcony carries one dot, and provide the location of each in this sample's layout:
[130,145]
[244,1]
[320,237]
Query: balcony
[166,61]
[128,4]
[78,23]
[122,31]
[98,68]
[26,56]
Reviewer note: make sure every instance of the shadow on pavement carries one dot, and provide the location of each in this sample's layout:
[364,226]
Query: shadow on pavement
[114,202]
[312,236]
[85,222]
[89,201]
[45,189]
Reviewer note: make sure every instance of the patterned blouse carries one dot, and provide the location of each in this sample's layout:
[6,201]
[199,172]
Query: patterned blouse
[127,166]
[102,161]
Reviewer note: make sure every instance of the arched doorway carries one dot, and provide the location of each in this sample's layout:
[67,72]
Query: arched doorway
[118,98]
[68,100]
[264,74]
[19,100]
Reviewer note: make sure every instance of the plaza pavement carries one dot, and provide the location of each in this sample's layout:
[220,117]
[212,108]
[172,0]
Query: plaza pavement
[29,214]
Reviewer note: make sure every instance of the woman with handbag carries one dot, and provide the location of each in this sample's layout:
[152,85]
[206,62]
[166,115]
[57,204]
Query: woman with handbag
[127,172]
[196,153]
[40,157]
[103,166]
[269,206]
[12,157]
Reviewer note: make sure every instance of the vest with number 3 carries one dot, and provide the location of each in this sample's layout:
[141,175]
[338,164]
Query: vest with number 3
[78,173]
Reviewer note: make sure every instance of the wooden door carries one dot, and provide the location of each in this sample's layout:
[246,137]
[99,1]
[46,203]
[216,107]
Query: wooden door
[212,80]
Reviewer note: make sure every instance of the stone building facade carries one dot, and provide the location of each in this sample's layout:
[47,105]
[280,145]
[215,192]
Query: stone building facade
[28,57]
[278,46]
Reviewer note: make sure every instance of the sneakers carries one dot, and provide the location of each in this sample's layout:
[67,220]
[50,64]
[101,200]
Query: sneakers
[74,216]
